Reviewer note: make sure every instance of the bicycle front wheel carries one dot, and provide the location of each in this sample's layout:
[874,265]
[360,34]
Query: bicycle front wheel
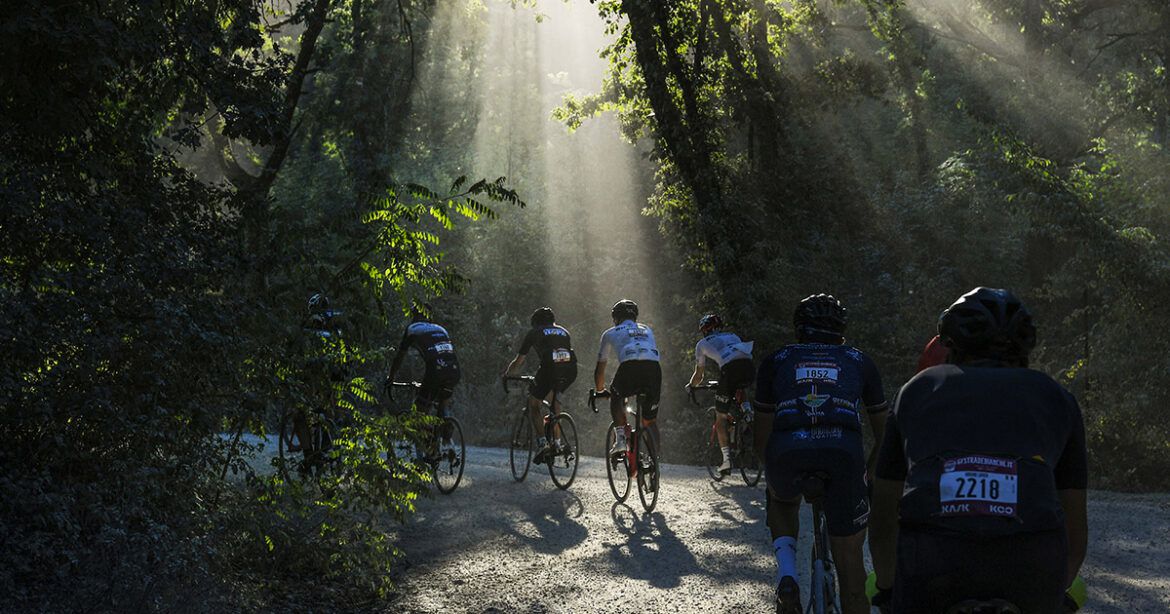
[520,452]
[616,467]
[562,464]
[751,466]
[648,481]
[448,463]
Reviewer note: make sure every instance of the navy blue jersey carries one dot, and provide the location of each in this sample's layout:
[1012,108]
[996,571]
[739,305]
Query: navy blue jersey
[432,342]
[812,385]
[984,450]
[552,344]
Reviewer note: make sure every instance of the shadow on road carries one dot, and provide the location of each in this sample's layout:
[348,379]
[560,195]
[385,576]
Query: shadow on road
[651,552]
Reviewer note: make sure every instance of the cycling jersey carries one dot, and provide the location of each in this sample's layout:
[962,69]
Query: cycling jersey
[818,385]
[983,450]
[722,347]
[629,340]
[558,363]
[552,344]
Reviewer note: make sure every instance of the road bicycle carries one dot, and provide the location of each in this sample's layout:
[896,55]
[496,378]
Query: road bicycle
[559,430]
[823,581]
[640,461]
[444,450]
[739,436]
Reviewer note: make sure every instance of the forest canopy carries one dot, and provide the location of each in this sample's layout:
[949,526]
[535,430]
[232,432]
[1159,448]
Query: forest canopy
[176,179]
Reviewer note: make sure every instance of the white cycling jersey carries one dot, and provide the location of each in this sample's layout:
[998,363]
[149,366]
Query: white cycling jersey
[722,348]
[629,340]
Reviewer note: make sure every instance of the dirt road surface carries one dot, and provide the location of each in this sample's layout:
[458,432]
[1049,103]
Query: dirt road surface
[500,546]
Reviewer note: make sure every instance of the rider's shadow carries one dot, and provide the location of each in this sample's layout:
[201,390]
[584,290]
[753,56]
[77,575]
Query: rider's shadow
[551,525]
[651,550]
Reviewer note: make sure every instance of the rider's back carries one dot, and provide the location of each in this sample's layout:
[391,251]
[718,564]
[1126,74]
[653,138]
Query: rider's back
[1018,424]
[816,384]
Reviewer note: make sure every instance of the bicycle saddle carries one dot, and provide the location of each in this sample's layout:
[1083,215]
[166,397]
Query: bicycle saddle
[984,606]
[812,485]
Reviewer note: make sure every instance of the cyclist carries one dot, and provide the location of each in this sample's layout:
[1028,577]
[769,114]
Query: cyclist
[809,401]
[638,371]
[323,326]
[558,369]
[442,367]
[734,358]
[980,489]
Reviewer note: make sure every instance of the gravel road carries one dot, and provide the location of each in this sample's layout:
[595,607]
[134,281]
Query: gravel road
[498,546]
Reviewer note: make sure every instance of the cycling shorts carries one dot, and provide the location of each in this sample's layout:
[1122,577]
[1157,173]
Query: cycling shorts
[438,383]
[548,377]
[734,376]
[937,570]
[637,377]
[834,450]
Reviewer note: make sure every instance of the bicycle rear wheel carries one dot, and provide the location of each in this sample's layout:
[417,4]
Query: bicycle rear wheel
[648,481]
[520,452]
[616,467]
[822,587]
[713,456]
[448,463]
[751,466]
[562,464]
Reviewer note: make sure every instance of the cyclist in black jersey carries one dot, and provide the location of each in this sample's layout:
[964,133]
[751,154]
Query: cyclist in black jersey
[558,369]
[810,398]
[980,490]
[434,346]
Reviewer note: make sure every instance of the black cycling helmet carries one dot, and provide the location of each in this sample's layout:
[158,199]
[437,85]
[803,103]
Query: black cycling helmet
[318,303]
[543,316]
[624,309]
[710,322]
[820,315]
[989,323]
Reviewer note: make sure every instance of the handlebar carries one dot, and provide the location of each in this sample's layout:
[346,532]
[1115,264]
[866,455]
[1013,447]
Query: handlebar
[707,385]
[516,378]
[594,395]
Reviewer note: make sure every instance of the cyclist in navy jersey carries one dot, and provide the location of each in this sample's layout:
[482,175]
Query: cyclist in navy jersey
[558,369]
[433,344]
[733,356]
[810,398]
[980,490]
[638,371]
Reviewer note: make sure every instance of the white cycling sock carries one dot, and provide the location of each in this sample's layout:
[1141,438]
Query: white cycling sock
[727,454]
[785,548]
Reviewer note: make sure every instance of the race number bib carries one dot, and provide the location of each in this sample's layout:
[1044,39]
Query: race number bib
[562,355]
[979,486]
[819,372]
[441,348]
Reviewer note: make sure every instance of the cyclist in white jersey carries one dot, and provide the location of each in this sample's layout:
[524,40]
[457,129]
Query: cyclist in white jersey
[734,359]
[638,371]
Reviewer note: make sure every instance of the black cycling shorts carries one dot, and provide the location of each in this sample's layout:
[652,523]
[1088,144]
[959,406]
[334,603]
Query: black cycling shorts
[549,377]
[833,450]
[937,570]
[733,376]
[438,383]
[637,377]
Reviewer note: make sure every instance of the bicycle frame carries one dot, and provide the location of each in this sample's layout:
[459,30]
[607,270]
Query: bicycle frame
[823,583]
[633,432]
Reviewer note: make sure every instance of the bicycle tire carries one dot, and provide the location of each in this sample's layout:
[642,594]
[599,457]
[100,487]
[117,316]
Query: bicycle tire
[566,460]
[521,440]
[713,456]
[447,468]
[751,466]
[648,478]
[820,588]
[616,468]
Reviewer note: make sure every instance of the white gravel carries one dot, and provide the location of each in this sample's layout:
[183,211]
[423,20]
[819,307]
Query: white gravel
[499,546]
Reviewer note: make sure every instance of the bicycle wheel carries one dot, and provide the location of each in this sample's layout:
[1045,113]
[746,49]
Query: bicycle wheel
[616,468]
[648,481]
[562,465]
[821,589]
[751,466]
[713,457]
[520,452]
[448,464]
